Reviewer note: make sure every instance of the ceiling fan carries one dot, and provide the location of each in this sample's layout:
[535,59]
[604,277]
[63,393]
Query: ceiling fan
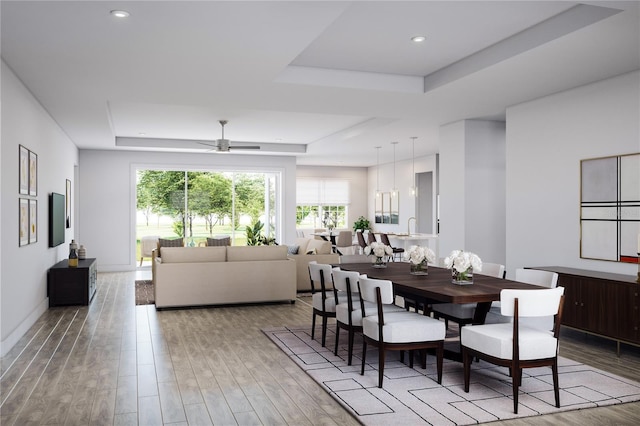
[222,144]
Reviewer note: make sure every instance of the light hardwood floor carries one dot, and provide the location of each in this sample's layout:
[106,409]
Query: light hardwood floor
[116,363]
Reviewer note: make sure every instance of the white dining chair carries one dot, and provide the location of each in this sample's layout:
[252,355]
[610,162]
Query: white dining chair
[463,313]
[324,297]
[516,345]
[530,276]
[398,331]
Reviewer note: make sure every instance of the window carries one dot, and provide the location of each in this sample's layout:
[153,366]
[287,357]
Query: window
[322,203]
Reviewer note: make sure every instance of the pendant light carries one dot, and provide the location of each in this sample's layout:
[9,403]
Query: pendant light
[394,190]
[378,171]
[414,187]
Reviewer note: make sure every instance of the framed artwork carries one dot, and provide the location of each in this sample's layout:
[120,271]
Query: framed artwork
[67,208]
[610,208]
[33,221]
[33,173]
[23,226]
[23,166]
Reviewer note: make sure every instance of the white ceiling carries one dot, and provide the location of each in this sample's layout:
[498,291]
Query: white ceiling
[334,79]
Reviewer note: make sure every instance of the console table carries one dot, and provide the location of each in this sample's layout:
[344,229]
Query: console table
[72,286]
[600,303]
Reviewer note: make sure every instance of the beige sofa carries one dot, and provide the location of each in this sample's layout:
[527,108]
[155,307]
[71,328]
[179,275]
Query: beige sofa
[321,252]
[195,276]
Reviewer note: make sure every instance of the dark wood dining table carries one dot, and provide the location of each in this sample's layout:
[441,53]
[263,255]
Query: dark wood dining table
[436,287]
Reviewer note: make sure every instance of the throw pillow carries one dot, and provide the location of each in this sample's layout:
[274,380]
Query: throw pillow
[312,251]
[293,249]
[163,242]
[219,241]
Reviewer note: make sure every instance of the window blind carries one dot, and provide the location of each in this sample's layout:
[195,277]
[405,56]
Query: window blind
[322,191]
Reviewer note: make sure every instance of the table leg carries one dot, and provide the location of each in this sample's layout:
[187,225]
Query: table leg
[482,309]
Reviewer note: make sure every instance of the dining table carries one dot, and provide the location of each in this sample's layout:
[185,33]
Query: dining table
[437,285]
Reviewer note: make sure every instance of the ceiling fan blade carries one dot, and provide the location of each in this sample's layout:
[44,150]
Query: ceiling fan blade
[243,147]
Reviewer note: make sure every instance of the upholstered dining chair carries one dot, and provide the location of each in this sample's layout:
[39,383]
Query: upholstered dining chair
[397,251]
[324,297]
[344,242]
[514,344]
[530,276]
[361,241]
[349,314]
[398,331]
[371,237]
[463,313]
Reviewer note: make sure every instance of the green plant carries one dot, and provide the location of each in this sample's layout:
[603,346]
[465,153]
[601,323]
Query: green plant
[361,224]
[255,237]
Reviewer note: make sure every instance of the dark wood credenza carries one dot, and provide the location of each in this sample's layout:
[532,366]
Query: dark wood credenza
[72,286]
[601,303]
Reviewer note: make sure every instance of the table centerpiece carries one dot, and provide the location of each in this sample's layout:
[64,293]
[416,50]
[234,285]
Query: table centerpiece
[462,265]
[379,253]
[419,258]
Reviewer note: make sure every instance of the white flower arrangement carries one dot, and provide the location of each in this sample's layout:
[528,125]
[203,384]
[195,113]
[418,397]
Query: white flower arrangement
[463,260]
[378,249]
[418,254]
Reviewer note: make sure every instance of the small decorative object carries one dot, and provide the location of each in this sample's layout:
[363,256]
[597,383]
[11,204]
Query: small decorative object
[379,252]
[419,258]
[361,224]
[462,265]
[73,254]
[82,252]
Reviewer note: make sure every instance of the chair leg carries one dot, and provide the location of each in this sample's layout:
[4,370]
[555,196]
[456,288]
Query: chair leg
[324,330]
[364,355]
[439,357]
[313,326]
[380,364]
[515,378]
[556,388]
[466,359]
[350,348]
[335,350]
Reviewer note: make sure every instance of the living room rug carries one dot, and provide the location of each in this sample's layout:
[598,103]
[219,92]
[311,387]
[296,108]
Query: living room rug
[412,395]
[144,292]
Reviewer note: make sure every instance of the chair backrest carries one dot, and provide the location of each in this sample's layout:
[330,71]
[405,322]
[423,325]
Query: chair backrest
[493,270]
[340,278]
[320,274]
[368,290]
[371,237]
[384,239]
[531,303]
[361,240]
[537,277]
[345,239]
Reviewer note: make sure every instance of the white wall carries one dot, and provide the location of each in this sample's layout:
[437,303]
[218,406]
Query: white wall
[546,139]
[472,188]
[23,275]
[107,196]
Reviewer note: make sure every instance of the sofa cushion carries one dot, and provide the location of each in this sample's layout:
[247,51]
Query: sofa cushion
[258,253]
[320,246]
[193,254]
[302,244]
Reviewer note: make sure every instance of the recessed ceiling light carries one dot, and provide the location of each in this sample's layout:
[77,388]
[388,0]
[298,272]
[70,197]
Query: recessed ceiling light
[120,13]
[418,39]
[142,134]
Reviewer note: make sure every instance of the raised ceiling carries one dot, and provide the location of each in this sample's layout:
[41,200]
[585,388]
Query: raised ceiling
[325,81]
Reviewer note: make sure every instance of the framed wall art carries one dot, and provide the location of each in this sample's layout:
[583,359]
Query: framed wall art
[610,208]
[23,172]
[67,205]
[23,225]
[33,221]
[33,174]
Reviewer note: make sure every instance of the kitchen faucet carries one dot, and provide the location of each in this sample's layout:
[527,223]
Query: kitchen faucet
[409,224]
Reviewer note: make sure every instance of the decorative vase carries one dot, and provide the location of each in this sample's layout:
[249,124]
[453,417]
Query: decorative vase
[462,278]
[379,262]
[419,268]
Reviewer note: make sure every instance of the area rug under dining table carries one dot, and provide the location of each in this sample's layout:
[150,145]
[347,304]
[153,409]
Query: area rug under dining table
[412,395]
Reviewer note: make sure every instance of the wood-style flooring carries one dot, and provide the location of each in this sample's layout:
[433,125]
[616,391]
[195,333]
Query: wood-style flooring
[115,363]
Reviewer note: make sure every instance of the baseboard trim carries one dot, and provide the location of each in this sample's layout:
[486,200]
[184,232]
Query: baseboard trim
[7,344]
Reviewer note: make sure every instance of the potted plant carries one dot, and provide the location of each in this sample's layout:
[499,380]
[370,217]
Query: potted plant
[361,224]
